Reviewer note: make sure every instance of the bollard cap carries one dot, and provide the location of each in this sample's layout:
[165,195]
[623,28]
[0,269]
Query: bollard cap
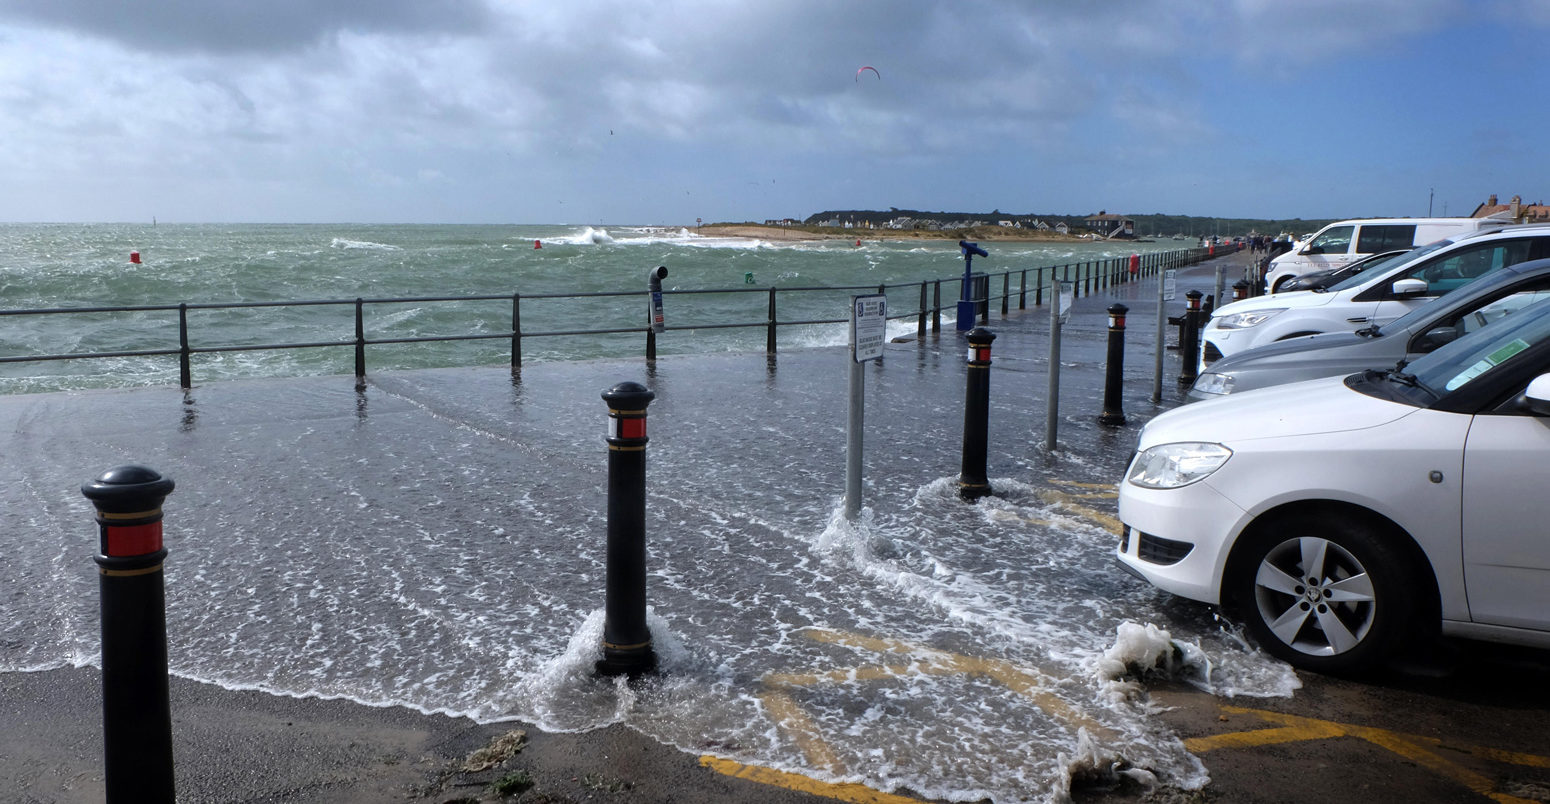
[981,336]
[1193,294]
[128,489]
[1118,309]
[628,396]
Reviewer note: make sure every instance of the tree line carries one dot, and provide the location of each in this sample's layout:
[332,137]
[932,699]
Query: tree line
[1146,225]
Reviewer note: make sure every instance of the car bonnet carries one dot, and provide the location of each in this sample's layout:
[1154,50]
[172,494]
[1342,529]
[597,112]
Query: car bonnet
[1311,407]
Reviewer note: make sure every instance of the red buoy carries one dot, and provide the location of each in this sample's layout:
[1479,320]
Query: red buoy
[134,257]
[858,242]
[538,244]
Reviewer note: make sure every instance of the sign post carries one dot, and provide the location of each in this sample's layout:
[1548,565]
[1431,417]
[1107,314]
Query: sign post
[868,332]
[1167,289]
[1059,312]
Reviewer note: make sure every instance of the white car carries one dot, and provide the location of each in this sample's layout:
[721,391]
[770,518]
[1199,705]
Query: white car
[1373,297]
[1369,511]
[1343,242]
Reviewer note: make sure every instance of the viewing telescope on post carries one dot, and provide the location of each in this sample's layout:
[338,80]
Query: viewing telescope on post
[966,301]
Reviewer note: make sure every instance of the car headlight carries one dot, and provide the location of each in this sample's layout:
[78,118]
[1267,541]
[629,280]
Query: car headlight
[1171,466]
[1214,383]
[1246,320]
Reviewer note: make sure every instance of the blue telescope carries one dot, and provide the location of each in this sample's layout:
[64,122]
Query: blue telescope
[966,303]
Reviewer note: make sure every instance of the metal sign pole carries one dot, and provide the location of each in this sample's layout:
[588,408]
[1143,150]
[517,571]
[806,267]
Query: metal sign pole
[868,328]
[1167,286]
[1053,417]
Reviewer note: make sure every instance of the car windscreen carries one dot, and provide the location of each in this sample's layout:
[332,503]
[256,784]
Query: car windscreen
[1369,275]
[1463,361]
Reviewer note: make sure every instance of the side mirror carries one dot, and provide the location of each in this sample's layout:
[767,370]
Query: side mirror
[1409,287]
[1536,398]
[1435,338]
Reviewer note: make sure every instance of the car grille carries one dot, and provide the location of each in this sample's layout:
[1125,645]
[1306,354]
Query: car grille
[1158,550]
[1211,354]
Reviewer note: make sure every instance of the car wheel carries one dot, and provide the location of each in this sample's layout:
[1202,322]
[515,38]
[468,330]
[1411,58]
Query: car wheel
[1281,284]
[1324,594]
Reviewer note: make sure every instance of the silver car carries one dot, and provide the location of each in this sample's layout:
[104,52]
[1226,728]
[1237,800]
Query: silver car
[1423,329]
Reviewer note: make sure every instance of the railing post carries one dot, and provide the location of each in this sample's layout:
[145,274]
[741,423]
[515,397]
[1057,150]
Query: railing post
[769,333]
[1114,372]
[920,326]
[972,482]
[1022,290]
[626,635]
[136,704]
[1038,286]
[185,373]
[936,307]
[360,341]
[516,330]
[1006,292]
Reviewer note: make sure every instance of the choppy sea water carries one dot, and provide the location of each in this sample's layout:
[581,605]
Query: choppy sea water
[435,540]
[86,266]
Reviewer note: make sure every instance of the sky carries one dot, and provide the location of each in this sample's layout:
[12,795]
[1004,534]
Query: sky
[673,111]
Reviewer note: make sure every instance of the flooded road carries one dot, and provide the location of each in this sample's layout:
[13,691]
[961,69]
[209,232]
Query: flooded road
[435,540]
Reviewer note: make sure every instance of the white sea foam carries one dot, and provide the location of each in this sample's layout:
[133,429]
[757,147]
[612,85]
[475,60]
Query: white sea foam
[345,243]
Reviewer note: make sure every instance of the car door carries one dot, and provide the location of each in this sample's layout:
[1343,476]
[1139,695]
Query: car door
[1505,511]
[1443,274]
[1331,249]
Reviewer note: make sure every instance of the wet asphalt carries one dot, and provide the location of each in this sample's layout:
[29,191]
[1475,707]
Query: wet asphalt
[1461,722]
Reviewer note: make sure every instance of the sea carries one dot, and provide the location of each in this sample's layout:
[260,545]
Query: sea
[724,282]
[433,538]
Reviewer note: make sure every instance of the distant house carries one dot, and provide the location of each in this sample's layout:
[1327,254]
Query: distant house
[1062,228]
[1041,226]
[1009,225]
[1514,210]
[782,222]
[1109,225]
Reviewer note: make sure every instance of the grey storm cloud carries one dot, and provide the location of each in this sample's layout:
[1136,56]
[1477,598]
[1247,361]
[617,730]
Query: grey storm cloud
[243,26]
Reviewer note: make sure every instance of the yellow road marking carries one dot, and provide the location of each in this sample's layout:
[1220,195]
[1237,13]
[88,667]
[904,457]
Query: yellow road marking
[803,730]
[1417,749]
[1104,519]
[1074,484]
[795,722]
[855,793]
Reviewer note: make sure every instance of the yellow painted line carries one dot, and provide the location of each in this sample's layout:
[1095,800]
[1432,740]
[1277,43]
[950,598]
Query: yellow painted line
[1414,748]
[855,793]
[1104,519]
[930,661]
[803,731]
[1074,484]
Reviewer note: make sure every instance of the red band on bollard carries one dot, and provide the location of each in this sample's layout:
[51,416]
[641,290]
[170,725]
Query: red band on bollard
[626,428]
[125,541]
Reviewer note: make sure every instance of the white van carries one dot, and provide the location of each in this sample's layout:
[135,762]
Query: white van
[1346,241]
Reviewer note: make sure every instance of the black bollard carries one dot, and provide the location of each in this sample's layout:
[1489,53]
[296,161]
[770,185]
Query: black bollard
[1189,338]
[626,637]
[136,706]
[1113,378]
[972,482]
[1240,290]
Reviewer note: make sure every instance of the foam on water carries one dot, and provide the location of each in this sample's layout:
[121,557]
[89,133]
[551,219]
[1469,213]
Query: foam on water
[346,243]
[433,539]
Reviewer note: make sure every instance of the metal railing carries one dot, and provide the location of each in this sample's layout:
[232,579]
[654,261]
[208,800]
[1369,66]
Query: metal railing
[1086,278]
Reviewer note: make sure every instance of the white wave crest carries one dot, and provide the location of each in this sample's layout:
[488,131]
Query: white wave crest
[341,242]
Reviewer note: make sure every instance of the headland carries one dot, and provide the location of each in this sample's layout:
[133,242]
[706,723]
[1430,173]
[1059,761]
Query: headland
[801,232]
